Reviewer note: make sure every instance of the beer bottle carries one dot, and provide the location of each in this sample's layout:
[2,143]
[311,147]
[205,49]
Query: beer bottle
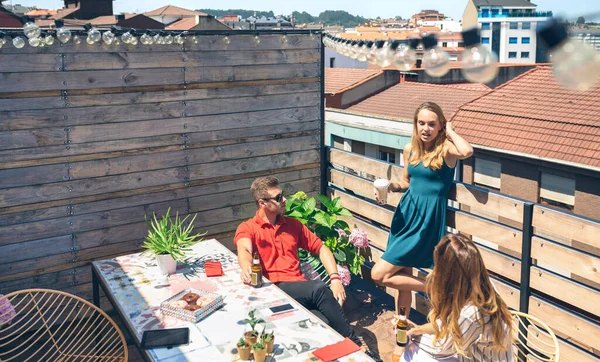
[401,328]
[256,271]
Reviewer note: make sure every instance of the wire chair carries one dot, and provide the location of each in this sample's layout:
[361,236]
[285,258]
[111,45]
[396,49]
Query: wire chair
[50,325]
[312,268]
[533,339]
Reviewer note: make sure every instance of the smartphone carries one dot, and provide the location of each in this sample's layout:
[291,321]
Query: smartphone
[165,337]
[281,308]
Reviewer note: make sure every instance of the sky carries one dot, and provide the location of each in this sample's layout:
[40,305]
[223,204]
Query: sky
[570,9]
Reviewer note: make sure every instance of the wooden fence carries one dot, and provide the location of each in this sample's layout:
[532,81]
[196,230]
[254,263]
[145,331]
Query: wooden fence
[544,262]
[93,138]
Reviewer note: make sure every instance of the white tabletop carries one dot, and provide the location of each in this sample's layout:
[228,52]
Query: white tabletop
[138,289]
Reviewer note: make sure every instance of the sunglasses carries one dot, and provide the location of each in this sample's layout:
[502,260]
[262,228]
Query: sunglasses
[277,198]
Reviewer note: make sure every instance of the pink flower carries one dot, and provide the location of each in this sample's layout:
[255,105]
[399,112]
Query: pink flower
[358,238]
[342,233]
[7,311]
[344,274]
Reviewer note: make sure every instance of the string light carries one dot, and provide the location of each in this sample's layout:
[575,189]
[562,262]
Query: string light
[2,39]
[109,37]
[284,39]
[256,39]
[226,39]
[406,55]
[18,42]
[93,34]
[479,64]
[146,39]
[168,39]
[48,39]
[435,59]
[76,39]
[35,42]
[575,64]
[63,34]
[31,30]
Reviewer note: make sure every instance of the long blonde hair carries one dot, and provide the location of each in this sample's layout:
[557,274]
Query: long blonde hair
[459,278]
[434,158]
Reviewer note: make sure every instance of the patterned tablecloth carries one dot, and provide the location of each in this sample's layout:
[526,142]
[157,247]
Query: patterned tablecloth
[138,288]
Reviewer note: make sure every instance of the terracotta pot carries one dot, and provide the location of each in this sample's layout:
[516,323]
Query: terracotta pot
[166,264]
[250,338]
[244,353]
[269,345]
[260,356]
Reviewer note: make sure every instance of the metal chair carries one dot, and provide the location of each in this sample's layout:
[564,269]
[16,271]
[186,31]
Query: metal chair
[533,339]
[49,325]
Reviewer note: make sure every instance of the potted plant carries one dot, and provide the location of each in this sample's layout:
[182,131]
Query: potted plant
[268,340]
[170,240]
[243,349]
[252,335]
[259,351]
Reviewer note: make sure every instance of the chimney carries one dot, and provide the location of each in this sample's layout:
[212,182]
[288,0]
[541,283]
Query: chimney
[197,19]
[120,17]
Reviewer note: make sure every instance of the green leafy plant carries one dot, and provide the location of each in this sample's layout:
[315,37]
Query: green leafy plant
[265,336]
[242,343]
[253,321]
[170,236]
[327,225]
[258,346]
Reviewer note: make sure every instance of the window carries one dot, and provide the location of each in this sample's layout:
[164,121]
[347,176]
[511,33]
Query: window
[514,25]
[526,25]
[485,26]
[557,191]
[444,44]
[332,62]
[461,44]
[512,40]
[512,54]
[524,54]
[485,40]
[387,154]
[525,40]
[487,173]
[495,12]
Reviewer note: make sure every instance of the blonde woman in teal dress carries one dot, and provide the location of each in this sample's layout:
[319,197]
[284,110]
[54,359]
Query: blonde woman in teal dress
[420,219]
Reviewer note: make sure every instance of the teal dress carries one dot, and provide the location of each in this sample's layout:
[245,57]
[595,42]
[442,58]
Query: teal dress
[420,219]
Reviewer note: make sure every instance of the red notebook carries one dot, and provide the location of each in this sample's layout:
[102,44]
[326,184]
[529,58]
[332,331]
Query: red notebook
[336,350]
[213,268]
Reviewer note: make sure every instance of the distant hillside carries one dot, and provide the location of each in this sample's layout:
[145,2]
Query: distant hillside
[328,17]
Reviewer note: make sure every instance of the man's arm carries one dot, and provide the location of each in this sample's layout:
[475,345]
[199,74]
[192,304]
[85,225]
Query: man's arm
[244,251]
[328,261]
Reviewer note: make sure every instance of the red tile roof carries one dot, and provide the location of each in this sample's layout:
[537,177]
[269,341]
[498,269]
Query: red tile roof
[64,12]
[401,100]
[40,12]
[175,11]
[337,79]
[183,24]
[532,114]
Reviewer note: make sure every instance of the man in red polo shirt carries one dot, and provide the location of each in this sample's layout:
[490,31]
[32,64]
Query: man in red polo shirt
[277,239]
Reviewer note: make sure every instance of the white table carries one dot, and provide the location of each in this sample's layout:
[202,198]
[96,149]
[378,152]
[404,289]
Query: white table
[135,287]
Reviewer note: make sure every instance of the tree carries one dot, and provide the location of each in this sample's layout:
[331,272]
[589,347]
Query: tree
[580,20]
[398,17]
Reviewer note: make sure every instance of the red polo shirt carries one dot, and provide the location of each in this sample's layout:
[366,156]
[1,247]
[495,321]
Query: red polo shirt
[278,245]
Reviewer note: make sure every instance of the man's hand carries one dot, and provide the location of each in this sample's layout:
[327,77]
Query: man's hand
[246,274]
[338,291]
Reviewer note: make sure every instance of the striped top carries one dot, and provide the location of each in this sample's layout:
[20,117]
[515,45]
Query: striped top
[477,341]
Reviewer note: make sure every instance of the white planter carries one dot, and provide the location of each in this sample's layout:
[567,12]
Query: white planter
[166,264]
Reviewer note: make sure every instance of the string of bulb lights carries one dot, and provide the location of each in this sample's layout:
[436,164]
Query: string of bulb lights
[575,64]
[33,35]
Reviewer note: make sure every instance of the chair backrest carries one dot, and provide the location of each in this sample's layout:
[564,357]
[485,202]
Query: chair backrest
[50,325]
[312,268]
[533,339]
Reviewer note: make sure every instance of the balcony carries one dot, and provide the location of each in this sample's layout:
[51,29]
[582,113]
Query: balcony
[516,14]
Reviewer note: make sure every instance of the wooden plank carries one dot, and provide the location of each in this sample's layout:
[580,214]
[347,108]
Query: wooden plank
[378,237]
[488,203]
[251,72]
[59,280]
[35,246]
[239,42]
[568,325]
[571,353]
[69,117]
[33,138]
[145,190]
[359,185]
[509,294]
[565,290]
[368,165]
[501,264]
[506,238]
[169,59]
[565,261]
[43,81]
[33,175]
[567,229]
[30,63]
[361,207]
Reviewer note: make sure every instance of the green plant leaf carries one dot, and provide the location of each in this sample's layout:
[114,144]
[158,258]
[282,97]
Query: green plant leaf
[325,201]
[309,204]
[321,218]
[344,212]
[339,255]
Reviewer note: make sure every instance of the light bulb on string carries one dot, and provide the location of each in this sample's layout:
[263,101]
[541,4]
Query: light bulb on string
[178,39]
[49,40]
[2,39]
[168,39]
[108,37]
[93,34]
[283,39]
[31,29]
[226,39]
[34,42]
[385,57]
[576,65]
[435,59]
[63,34]
[480,65]
[18,42]
[372,54]
[361,54]
[146,39]
[311,35]
[195,40]
[127,36]
[76,39]
[256,39]
[406,56]
[158,38]
[134,40]
[354,49]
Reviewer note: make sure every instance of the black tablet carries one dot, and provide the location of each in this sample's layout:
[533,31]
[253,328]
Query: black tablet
[165,337]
